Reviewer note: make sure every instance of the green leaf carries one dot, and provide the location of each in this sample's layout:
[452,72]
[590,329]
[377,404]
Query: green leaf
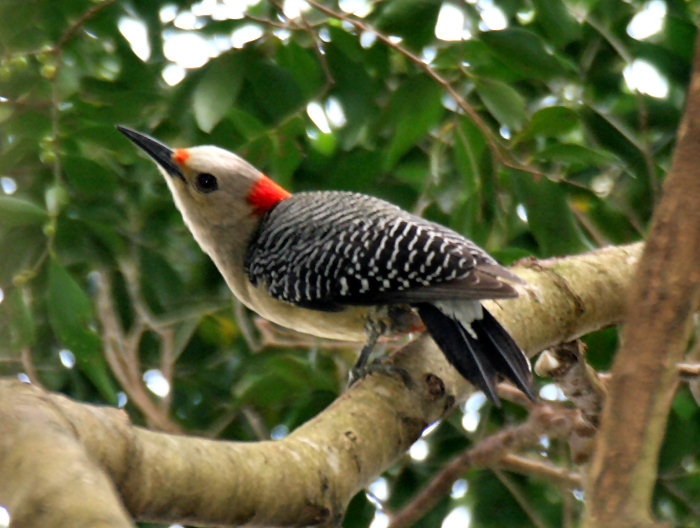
[161,285]
[246,124]
[20,248]
[325,143]
[523,50]
[17,315]
[302,66]
[88,176]
[71,318]
[275,93]
[469,144]
[414,109]
[549,122]
[550,217]
[502,101]
[556,21]
[413,20]
[216,91]
[576,155]
[18,212]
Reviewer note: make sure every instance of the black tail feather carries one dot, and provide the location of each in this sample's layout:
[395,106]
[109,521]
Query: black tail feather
[507,358]
[482,358]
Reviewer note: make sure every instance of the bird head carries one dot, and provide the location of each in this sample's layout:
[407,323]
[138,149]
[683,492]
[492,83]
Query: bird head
[211,186]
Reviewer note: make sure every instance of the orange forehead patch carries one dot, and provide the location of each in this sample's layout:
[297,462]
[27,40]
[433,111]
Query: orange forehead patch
[181,155]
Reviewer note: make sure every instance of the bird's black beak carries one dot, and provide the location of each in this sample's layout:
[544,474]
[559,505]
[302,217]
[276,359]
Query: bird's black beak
[160,153]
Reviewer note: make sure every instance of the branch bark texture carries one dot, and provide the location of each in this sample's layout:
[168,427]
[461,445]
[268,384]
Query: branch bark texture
[654,338]
[304,479]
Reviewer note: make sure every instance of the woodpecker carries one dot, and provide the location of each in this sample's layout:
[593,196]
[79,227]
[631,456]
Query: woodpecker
[343,265]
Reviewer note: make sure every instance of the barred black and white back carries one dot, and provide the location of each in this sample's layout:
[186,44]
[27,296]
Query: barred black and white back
[353,249]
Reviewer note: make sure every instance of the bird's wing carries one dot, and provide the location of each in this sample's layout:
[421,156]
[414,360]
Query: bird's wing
[475,286]
[356,249]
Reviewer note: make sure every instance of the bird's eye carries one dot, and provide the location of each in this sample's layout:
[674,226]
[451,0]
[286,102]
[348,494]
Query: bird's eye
[206,182]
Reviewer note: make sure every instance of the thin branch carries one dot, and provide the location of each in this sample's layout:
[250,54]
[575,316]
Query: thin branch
[541,469]
[28,366]
[689,370]
[167,364]
[246,328]
[690,502]
[87,15]
[600,239]
[121,353]
[556,422]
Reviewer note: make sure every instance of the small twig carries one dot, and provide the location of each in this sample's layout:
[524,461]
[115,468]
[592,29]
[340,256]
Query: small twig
[256,422]
[167,362]
[541,469]
[600,239]
[28,366]
[643,144]
[121,353]
[57,51]
[689,370]
[264,21]
[244,325]
[330,81]
[681,495]
[131,278]
[87,15]
[517,494]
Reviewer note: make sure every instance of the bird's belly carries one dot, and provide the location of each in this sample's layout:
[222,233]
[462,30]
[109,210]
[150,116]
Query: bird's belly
[346,325]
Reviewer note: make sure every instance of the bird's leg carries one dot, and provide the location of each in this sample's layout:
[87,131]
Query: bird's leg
[363,366]
[360,369]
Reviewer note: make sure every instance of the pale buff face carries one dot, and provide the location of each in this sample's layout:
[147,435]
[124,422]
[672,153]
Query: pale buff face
[214,185]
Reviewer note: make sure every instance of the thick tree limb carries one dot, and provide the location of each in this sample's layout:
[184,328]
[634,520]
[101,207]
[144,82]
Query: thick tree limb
[50,476]
[654,339]
[304,479]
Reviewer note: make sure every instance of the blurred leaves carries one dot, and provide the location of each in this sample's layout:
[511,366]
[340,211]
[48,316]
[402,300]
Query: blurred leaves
[504,103]
[216,91]
[567,157]
[413,110]
[17,212]
[524,50]
[18,320]
[71,317]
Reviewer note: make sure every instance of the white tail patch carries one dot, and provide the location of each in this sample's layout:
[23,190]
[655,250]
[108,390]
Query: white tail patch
[463,311]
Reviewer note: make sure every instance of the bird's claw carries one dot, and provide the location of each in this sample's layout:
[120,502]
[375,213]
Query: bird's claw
[358,372]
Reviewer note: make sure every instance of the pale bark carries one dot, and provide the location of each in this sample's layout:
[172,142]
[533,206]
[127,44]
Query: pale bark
[304,479]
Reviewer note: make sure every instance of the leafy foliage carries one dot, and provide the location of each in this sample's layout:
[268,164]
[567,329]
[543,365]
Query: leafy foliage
[520,133]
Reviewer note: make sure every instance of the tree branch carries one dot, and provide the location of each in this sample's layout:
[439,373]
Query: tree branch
[308,477]
[50,477]
[489,452]
[654,338]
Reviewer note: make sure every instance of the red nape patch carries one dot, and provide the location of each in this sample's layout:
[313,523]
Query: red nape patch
[181,155]
[265,194]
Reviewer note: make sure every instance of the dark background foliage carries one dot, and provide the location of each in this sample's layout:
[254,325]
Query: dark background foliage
[523,135]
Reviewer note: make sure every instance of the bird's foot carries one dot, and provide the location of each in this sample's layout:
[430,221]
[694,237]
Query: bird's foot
[379,365]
